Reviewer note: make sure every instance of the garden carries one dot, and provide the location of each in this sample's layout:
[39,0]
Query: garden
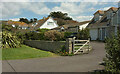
[14,48]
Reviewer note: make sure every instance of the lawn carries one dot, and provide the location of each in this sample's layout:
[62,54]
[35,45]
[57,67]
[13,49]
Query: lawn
[24,52]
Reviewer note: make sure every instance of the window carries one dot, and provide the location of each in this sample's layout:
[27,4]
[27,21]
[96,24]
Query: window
[50,23]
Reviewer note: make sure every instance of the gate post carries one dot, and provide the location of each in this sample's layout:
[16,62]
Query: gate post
[69,45]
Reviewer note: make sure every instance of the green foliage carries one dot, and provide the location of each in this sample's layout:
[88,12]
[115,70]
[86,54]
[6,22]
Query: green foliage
[60,15]
[21,36]
[112,61]
[9,40]
[34,36]
[83,34]
[42,30]
[54,35]
[66,34]
[24,20]
[6,27]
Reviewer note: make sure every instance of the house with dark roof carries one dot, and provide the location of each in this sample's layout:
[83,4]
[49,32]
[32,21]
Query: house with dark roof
[104,24]
[48,23]
[72,26]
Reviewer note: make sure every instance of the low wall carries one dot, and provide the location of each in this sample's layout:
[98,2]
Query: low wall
[46,45]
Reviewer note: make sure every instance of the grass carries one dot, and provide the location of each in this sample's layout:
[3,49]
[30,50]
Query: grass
[24,52]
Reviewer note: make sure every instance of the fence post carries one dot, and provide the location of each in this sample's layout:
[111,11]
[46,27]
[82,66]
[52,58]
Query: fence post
[69,46]
[89,45]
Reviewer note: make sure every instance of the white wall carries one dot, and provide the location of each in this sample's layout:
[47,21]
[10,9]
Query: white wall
[83,26]
[46,25]
[94,34]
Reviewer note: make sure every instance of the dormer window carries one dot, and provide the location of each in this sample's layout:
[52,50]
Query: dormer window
[50,23]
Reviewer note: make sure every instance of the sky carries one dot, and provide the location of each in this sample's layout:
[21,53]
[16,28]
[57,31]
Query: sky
[79,11]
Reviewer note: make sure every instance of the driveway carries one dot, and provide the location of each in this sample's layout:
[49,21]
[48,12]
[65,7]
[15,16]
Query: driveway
[78,63]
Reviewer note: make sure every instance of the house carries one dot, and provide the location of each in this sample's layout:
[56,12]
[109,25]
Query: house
[72,26]
[48,23]
[17,24]
[104,24]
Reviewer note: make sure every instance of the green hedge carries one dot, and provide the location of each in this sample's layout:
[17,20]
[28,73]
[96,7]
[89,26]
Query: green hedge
[112,60]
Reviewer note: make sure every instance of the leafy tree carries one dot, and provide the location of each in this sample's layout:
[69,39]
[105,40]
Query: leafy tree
[112,60]
[24,20]
[31,20]
[35,19]
[60,15]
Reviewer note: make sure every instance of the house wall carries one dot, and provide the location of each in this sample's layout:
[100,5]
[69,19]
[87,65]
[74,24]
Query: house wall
[94,33]
[46,45]
[46,25]
[119,16]
[83,26]
[73,29]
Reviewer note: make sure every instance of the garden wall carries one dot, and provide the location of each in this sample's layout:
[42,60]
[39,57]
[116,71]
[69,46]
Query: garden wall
[46,45]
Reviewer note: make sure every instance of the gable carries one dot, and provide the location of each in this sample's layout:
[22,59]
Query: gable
[49,24]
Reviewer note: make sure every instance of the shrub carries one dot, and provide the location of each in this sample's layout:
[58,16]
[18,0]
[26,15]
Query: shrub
[34,36]
[54,35]
[9,40]
[42,30]
[21,36]
[83,34]
[66,34]
[112,60]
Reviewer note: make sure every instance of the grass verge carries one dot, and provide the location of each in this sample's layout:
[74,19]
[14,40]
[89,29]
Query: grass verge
[24,52]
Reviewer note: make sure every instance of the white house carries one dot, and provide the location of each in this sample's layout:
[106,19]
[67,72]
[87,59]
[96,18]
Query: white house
[83,26]
[104,25]
[48,23]
[93,24]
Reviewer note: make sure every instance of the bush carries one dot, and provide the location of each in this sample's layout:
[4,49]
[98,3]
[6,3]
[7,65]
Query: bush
[83,34]
[112,60]
[34,36]
[9,40]
[54,35]
[42,30]
[66,34]
[21,36]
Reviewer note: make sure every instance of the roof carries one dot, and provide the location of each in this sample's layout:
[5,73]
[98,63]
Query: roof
[41,22]
[103,21]
[100,12]
[66,26]
[113,9]
[17,23]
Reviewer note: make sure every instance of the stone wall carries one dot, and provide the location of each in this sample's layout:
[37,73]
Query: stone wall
[46,45]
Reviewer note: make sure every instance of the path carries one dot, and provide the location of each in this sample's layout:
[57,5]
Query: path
[78,63]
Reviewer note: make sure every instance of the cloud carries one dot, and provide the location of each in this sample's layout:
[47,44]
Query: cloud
[83,18]
[15,8]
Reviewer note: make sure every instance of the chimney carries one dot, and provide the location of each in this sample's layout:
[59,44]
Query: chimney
[43,18]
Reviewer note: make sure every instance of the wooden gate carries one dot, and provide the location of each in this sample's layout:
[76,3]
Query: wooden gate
[81,46]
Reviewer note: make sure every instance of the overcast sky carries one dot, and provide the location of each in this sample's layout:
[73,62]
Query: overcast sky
[79,11]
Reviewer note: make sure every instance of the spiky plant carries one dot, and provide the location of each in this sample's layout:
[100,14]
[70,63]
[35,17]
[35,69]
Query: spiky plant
[9,40]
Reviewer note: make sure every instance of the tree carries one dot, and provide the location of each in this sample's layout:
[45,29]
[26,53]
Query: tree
[35,19]
[112,60]
[31,20]
[60,15]
[24,20]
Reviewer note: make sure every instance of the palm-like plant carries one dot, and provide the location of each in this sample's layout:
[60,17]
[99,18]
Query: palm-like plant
[9,40]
